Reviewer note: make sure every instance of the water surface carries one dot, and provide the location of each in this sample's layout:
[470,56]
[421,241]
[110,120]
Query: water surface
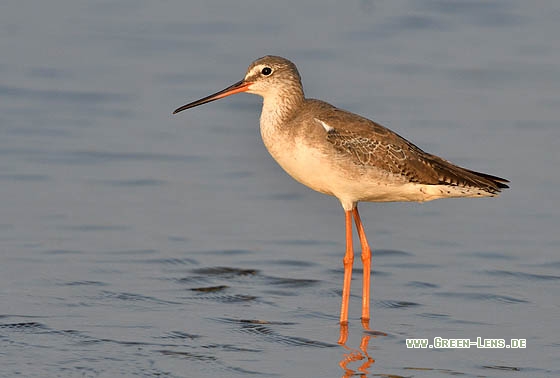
[137,243]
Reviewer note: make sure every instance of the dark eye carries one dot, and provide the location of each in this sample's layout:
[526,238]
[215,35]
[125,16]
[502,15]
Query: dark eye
[266,71]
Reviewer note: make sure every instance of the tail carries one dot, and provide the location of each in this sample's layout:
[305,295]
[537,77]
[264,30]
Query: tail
[453,175]
[498,181]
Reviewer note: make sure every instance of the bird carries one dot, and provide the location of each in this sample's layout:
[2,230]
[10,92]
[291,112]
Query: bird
[352,158]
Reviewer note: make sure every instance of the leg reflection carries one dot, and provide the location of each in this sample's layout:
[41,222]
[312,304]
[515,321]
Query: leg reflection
[343,333]
[352,354]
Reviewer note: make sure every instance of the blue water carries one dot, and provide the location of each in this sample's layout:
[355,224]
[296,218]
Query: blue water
[137,243]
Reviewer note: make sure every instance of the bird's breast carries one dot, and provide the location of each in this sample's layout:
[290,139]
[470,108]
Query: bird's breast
[306,163]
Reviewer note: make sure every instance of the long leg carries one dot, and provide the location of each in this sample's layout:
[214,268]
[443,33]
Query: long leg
[366,261]
[348,260]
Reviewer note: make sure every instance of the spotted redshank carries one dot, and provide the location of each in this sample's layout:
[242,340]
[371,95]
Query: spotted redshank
[347,156]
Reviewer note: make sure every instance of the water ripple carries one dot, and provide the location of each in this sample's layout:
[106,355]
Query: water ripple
[290,282]
[84,283]
[171,261]
[523,275]
[24,326]
[397,304]
[180,335]
[227,298]
[263,329]
[227,252]
[482,297]
[422,285]
[210,289]
[226,272]
[131,297]
[390,252]
[502,367]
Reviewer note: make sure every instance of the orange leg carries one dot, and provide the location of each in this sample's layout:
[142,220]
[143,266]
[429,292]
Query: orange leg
[366,261]
[348,260]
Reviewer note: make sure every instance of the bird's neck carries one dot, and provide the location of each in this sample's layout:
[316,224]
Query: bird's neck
[276,128]
[280,106]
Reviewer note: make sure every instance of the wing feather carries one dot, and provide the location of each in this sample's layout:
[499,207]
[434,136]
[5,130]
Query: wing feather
[367,143]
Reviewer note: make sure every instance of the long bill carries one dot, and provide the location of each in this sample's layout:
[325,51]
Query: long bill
[240,86]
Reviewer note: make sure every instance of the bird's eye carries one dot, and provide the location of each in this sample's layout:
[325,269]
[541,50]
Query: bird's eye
[266,71]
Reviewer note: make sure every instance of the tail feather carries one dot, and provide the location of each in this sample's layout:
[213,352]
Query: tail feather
[500,182]
[451,174]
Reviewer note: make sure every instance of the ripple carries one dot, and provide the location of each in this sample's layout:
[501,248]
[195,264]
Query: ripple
[359,270]
[226,271]
[523,275]
[84,283]
[482,297]
[408,265]
[251,321]
[207,358]
[217,293]
[180,335]
[230,348]
[439,371]
[374,333]
[225,298]
[397,304]
[189,355]
[422,285]
[295,263]
[433,316]
[24,326]
[390,252]
[227,252]
[263,329]
[290,282]
[131,297]
[300,242]
[171,261]
[501,367]
[210,289]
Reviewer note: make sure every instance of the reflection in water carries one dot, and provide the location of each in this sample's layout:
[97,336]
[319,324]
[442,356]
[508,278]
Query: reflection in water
[360,354]
[357,355]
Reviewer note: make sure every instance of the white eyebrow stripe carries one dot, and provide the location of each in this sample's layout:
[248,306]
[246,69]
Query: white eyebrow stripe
[325,125]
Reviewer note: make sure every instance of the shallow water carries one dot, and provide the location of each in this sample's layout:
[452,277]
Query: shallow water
[137,243]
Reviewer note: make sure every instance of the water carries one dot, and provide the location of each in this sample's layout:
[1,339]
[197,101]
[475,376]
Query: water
[137,243]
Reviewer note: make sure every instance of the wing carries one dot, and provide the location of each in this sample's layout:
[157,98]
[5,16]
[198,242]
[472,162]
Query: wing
[367,143]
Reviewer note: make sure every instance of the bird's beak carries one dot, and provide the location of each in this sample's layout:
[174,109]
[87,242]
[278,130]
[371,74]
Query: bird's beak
[240,86]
